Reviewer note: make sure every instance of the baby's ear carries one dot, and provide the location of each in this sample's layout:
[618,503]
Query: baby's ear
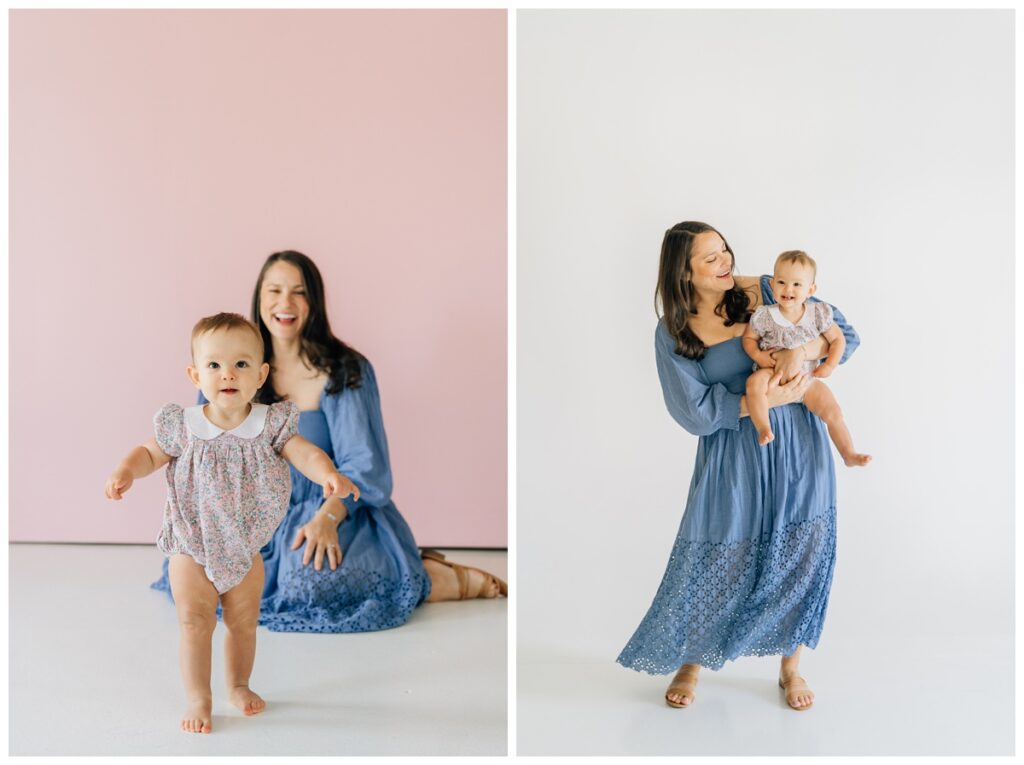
[813,289]
[264,372]
[193,375]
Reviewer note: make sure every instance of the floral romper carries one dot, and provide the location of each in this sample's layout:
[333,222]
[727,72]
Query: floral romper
[776,331]
[227,491]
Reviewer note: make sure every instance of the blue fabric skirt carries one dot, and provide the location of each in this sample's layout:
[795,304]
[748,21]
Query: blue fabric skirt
[752,564]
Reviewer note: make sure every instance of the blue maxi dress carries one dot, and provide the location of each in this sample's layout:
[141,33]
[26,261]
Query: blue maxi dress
[751,568]
[381,578]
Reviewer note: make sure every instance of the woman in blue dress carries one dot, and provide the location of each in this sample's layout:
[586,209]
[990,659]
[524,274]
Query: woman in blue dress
[367,572]
[751,567]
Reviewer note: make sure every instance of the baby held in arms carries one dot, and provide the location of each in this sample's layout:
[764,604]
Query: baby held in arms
[228,486]
[790,323]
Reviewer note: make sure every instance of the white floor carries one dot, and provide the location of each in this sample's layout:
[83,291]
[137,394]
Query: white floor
[94,670]
[872,698]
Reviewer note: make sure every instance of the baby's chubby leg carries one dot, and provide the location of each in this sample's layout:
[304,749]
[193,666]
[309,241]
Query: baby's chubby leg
[241,606]
[820,401]
[195,599]
[757,404]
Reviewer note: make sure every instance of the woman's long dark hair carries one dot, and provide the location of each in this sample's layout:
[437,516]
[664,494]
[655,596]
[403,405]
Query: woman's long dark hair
[319,346]
[677,296]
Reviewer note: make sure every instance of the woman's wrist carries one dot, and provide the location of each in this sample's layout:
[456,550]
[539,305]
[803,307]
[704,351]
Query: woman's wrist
[334,510]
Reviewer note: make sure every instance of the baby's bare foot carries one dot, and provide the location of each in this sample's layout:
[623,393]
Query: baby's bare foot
[857,460]
[198,717]
[765,437]
[246,700]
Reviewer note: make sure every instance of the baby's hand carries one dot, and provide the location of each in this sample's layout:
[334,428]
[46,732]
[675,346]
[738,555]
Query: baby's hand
[765,360]
[337,485]
[824,370]
[118,483]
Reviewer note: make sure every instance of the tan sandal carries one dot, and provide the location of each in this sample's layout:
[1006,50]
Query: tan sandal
[792,693]
[684,687]
[462,575]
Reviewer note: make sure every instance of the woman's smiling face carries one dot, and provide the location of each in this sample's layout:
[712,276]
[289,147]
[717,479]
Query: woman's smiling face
[710,263]
[284,307]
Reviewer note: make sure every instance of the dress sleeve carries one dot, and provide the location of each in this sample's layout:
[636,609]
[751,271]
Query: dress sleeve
[700,408]
[284,417]
[852,338]
[169,425]
[358,440]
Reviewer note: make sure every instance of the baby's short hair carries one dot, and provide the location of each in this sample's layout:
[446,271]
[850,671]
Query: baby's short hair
[800,257]
[225,321]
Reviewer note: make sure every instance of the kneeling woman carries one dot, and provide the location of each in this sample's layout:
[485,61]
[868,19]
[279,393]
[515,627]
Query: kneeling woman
[384,575]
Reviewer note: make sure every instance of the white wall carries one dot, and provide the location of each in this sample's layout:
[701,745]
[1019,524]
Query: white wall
[879,141]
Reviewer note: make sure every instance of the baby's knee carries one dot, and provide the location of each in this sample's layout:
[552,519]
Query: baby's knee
[242,620]
[197,621]
[757,383]
[824,404]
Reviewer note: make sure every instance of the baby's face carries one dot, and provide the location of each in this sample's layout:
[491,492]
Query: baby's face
[227,367]
[793,283]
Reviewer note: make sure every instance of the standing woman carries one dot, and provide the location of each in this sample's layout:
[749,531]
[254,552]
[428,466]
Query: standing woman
[374,575]
[751,567]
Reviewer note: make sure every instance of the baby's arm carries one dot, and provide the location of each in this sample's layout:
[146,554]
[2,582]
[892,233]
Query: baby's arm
[750,338]
[140,462]
[836,346]
[310,460]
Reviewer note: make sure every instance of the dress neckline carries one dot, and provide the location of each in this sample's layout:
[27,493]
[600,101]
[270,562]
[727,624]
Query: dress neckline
[723,342]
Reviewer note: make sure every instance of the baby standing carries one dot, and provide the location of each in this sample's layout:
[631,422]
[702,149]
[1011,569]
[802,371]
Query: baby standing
[790,323]
[228,486]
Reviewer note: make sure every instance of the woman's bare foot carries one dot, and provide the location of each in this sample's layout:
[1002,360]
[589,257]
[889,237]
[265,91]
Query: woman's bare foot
[444,582]
[765,437]
[680,693]
[246,700]
[856,460]
[198,717]
[798,694]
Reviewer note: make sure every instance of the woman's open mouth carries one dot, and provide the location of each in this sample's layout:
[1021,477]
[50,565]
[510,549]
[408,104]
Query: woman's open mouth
[285,319]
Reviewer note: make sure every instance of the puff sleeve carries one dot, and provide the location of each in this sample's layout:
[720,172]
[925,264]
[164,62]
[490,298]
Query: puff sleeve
[761,320]
[823,317]
[169,427]
[699,407]
[852,338]
[283,417]
[357,438]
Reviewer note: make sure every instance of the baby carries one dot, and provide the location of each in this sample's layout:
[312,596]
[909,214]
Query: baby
[789,324]
[228,486]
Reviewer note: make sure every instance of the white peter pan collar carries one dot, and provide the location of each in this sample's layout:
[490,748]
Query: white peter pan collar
[202,428]
[805,321]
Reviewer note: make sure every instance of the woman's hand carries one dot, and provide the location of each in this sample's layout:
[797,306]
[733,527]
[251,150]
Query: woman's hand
[321,538]
[780,393]
[789,362]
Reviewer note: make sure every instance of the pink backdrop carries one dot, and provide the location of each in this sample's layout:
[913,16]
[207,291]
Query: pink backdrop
[157,157]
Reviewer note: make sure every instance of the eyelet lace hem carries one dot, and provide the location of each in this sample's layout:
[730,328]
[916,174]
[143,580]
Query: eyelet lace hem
[755,597]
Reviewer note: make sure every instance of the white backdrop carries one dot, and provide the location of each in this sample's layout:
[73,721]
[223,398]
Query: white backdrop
[882,144]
